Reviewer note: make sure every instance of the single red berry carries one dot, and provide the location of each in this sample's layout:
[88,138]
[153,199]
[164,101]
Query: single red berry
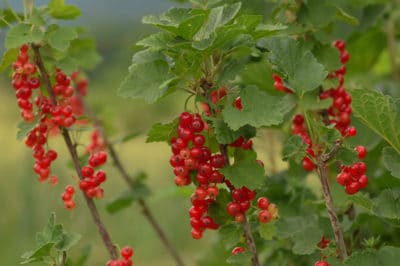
[263,203]
[70,189]
[321,263]
[233,208]
[264,216]
[308,165]
[362,152]
[351,131]
[340,45]
[344,57]
[238,103]
[69,205]
[87,171]
[126,252]
[343,178]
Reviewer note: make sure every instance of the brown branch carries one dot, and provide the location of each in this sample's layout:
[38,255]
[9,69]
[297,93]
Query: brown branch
[127,178]
[245,224]
[323,175]
[71,148]
[64,258]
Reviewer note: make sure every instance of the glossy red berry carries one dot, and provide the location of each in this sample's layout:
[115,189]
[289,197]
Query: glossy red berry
[362,152]
[263,203]
[126,252]
[264,216]
[237,250]
[321,263]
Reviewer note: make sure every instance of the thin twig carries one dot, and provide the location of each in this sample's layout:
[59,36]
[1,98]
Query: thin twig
[245,224]
[71,148]
[64,258]
[128,179]
[323,175]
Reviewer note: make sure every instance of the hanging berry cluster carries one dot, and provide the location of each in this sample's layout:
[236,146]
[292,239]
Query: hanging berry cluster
[50,115]
[340,110]
[268,210]
[126,254]
[298,128]
[93,179]
[67,197]
[191,158]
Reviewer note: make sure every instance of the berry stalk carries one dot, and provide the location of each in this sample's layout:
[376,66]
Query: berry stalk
[124,174]
[72,150]
[245,224]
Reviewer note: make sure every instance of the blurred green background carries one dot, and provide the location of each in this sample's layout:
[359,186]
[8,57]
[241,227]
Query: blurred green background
[27,204]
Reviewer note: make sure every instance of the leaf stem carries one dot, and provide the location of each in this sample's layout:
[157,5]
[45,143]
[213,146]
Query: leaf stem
[72,150]
[323,175]
[64,258]
[245,224]
[128,179]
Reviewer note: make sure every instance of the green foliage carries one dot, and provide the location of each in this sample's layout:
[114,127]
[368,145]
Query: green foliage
[391,160]
[243,258]
[386,256]
[294,148]
[21,34]
[387,204]
[162,132]
[245,171]
[59,10]
[53,237]
[380,113]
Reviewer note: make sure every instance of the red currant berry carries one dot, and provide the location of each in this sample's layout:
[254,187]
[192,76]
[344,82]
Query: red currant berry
[362,152]
[237,250]
[264,216]
[263,203]
[126,252]
[238,104]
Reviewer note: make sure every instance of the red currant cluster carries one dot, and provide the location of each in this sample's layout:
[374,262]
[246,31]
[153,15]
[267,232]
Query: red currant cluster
[126,254]
[278,84]
[24,81]
[241,203]
[67,197]
[92,180]
[96,142]
[191,158]
[340,111]
[353,177]
[298,128]
[268,211]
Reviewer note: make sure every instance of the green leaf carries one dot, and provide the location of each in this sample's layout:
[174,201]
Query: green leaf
[300,68]
[303,231]
[148,77]
[217,209]
[225,135]
[294,148]
[157,41]
[162,132]
[230,235]
[38,255]
[60,37]
[347,156]
[245,171]
[24,128]
[240,259]
[259,109]
[218,17]
[346,17]
[51,233]
[8,58]
[386,256]
[362,200]
[328,56]
[268,230]
[67,241]
[387,204]
[317,13]
[139,191]
[380,113]
[59,10]
[391,160]
[21,34]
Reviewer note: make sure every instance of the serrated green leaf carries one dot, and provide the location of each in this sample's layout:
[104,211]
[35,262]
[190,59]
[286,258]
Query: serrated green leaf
[158,40]
[240,259]
[329,57]
[8,58]
[217,209]
[387,204]
[124,200]
[386,256]
[380,113]
[268,230]
[217,17]
[21,34]
[60,37]
[245,171]
[303,231]
[162,132]
[230,235]
[391,160]
[38,255]
[259,109]
[148,77]
[317,13]
[8,16]
[362,200]
[59,10]
[52,232]
[67,241]
[294,148]
[300,68]
[225,135]
[347,156]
